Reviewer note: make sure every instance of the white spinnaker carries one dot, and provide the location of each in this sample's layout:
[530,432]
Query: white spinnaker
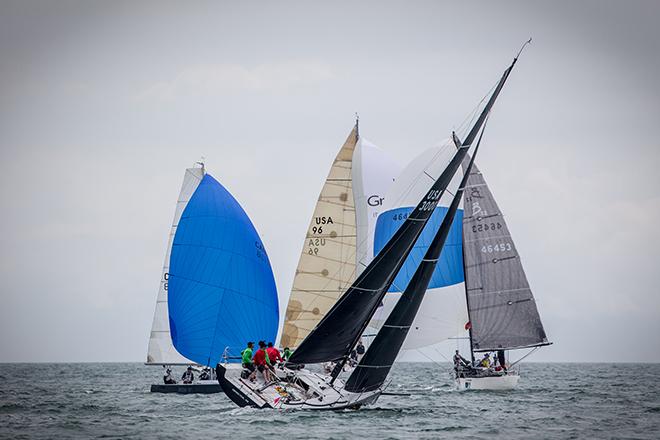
[161,351]
[443,312]
[373,173]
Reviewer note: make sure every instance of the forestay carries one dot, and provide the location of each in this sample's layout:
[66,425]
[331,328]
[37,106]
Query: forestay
[161,350]
[501,307]
[221,287]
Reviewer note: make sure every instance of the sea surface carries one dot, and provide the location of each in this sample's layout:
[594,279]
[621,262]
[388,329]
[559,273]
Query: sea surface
[552,401]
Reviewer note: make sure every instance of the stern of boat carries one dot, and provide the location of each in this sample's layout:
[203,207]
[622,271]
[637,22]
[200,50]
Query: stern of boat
[495,383]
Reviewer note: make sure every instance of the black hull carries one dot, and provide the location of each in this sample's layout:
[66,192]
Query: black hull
[186,388]
[235,395]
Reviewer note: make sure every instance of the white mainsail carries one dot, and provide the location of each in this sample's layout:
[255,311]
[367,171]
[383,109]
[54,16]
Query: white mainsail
[443,312]
[339,236]
[161,351]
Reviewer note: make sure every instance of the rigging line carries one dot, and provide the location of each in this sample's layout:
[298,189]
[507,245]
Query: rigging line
[430,358]
[441,150]
[533,350]
[473,113]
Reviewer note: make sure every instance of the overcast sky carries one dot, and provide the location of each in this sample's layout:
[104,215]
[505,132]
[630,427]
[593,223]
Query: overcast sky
[104,104]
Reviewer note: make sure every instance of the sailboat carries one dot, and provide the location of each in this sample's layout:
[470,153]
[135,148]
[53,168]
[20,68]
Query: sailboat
[339,331]
[339,240]
[217,290]
[502,313]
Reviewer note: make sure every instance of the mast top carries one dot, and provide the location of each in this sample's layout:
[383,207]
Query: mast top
[522,47]
[201,164]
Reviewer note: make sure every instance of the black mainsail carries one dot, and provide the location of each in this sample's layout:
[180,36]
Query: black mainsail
[501,307]
[372,371]
[338,332]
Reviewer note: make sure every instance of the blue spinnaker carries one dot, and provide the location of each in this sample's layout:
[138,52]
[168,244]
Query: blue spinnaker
[222,291]
[449,270]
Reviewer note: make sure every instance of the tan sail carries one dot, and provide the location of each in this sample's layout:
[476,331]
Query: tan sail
[327,263]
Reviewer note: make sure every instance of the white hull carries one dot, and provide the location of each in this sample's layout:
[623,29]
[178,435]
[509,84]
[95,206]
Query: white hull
[294,389]
[496,383]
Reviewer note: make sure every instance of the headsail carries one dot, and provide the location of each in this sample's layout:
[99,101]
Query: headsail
[221,287]
[501,307]
[371,372]
[443,312]
[327,263]
[161,351]
[340,235]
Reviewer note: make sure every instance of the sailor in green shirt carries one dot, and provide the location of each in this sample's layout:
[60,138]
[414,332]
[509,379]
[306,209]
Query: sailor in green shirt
[246,359]
[286,353]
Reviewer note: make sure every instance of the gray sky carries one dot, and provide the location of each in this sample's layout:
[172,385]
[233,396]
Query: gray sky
[103,105]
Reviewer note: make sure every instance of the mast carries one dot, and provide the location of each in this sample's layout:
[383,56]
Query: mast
[457,143]
[374,367]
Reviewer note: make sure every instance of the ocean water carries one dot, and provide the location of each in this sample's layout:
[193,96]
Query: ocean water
[552,401]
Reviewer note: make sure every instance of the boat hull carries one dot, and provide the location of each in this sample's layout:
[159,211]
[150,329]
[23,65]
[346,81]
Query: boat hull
[205,387]
[496,383]
[300,389]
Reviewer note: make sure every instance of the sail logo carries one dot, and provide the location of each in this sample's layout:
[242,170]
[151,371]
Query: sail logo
[476,208]
[261,252]
[375,200]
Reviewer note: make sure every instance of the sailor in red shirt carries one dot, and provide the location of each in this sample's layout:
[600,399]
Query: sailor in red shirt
[262,361]
[273,354]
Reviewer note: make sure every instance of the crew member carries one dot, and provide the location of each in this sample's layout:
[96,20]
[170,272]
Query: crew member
[360,350]
[246,361]
[460,361]
[485,362]
[262,362]
[273,354]
[168,379]
[188,376]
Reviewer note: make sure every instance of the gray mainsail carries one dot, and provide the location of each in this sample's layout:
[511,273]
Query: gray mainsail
[501,307]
